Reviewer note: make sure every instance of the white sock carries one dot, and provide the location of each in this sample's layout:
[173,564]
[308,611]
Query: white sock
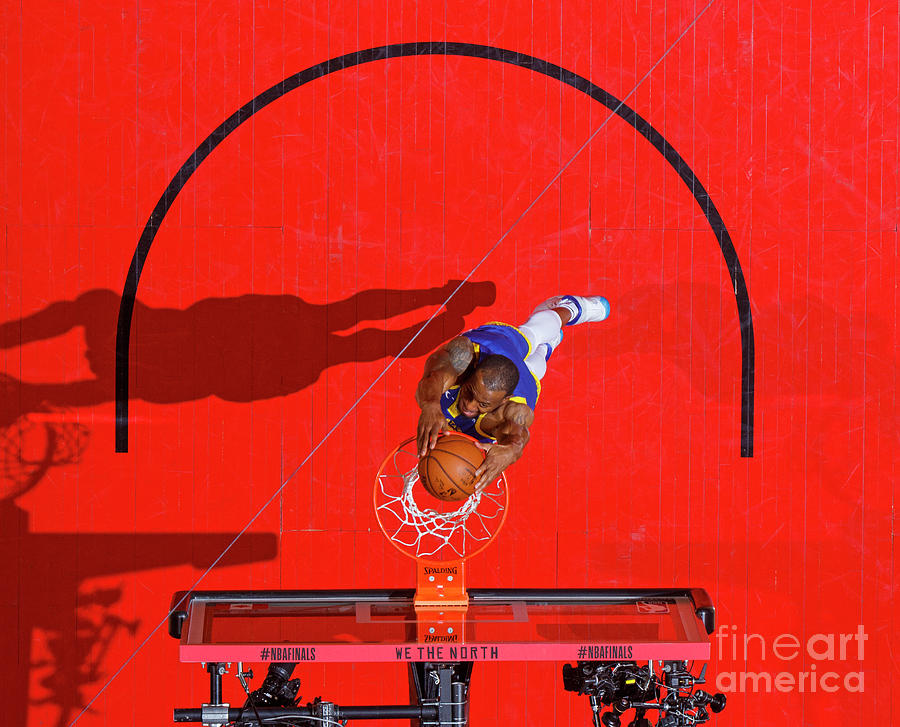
[537,361]
[544,326]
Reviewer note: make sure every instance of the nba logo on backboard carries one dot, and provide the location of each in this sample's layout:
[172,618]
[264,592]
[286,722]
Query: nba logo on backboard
[652,607]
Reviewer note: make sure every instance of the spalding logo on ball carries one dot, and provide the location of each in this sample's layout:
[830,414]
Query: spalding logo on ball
[448,470]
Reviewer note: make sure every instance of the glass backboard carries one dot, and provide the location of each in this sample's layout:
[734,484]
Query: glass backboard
[497,625]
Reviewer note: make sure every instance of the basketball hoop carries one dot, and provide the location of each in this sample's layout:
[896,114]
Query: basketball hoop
[438,535]
[425,528]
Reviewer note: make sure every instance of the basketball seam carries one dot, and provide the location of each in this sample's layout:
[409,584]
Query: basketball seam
[449,476]
[431,483]
[445,481]
[458,456]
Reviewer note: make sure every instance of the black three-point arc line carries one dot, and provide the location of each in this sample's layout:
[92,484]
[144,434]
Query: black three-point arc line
[399,50]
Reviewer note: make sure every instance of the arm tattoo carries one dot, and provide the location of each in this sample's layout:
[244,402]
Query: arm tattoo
[521,415]
[460,353]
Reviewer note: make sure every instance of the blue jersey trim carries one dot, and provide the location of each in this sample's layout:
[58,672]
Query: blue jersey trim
[506,340]
[457,421]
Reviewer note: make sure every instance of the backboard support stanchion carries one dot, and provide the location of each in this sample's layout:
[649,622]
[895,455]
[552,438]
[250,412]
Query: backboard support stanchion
[441,601]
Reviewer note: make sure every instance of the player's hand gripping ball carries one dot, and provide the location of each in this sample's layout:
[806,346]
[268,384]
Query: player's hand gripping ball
[448,471]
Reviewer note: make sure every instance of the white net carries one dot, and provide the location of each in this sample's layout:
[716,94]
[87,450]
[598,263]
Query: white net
[425,527]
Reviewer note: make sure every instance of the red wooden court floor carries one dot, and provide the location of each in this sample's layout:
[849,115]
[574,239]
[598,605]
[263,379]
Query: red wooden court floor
[306,238]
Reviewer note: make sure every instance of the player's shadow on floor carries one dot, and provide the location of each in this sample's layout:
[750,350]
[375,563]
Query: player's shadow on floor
[240,349]
[52,571]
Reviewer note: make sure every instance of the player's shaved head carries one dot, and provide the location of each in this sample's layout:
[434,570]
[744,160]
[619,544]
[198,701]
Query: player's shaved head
[498,373]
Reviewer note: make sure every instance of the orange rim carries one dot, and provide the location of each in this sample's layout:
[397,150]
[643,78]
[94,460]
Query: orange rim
[388,459]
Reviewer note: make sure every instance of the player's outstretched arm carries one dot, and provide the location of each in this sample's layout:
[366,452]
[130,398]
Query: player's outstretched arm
[442,369]
[512,435]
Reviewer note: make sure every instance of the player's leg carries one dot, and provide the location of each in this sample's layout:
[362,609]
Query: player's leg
[544,331]
[544,328]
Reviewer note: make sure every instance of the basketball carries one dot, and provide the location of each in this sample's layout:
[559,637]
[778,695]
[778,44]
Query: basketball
[448,471]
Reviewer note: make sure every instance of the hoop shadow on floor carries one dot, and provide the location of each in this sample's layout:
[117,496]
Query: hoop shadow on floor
[51,603]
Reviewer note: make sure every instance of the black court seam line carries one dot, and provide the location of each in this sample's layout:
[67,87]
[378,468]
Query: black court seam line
[399,50]
[365,393]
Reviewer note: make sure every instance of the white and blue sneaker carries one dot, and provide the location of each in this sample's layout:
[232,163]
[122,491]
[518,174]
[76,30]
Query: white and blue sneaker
[584,308]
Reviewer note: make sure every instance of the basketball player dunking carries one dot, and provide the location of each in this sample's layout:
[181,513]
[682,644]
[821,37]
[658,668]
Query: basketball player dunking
[486,382]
